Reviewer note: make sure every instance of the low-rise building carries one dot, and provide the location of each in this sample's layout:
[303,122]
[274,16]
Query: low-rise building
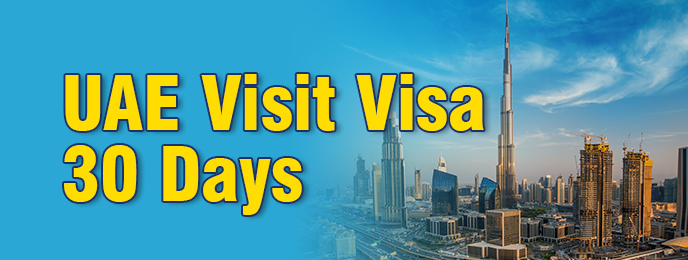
[473,221]
[557,231]
[663,230]
[530,229]
[487,250]
[503,231]
[442,227]
[345,244]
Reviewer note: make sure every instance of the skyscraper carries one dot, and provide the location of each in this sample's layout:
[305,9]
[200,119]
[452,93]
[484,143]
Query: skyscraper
[489,196]
[361,181]
[637,210]
[682,200]
[445,191]
[506,175]
[345,244]
[547,196]
[427,191]
[525,195]
[477,188]
[569,190]
[378,192]
[615,191]
[548,181]
[442,165]
[418,188]
[536,192]
[596,198]
[670,190]
[559,187]
[576,199]
[394,212]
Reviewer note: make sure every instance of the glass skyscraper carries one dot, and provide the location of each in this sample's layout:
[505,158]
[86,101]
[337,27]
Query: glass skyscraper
[490,196]
[445,191]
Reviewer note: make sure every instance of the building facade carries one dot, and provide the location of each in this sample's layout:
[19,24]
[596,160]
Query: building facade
[427,191]
[418,190]
[503,226]
[530,229]
[442,164]
[345,244]
[670,190]
[443,227]
[503,231]
[489,196]
[378,192]
[361,181]
[445,192]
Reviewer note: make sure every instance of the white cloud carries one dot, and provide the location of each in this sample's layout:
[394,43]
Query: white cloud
[651,63]
[596,74]
[422,73]
[440,64]
[528,9]
[533,58]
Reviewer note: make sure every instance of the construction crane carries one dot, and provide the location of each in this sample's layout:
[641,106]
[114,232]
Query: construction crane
[637,236]
[587,137]
[626,143]
[577,164]
[641,143]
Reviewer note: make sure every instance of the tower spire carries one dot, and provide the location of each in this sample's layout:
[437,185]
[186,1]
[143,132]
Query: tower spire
[506,176]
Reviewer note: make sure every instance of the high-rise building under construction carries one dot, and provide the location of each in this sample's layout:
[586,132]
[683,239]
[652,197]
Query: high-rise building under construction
[637,204]
[595,214]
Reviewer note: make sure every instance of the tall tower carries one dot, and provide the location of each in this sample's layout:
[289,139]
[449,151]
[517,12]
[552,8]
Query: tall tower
[569,190]
[637,210]
[394,210]
[442,165]
[417,190]
[595,215]
[506,175]
[477,188]
[361,181]
[378,195]
[559,187]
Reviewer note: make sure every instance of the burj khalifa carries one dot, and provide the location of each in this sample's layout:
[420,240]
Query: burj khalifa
[506,175]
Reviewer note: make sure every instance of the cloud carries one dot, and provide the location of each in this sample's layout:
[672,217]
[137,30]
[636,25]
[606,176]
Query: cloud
[664,135]
[595,74]
[533,58]
[545,144]
[422,73]
[650,63]
[440,64]
[528,9]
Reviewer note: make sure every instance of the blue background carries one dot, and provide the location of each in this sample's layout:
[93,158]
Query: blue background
[555,45]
